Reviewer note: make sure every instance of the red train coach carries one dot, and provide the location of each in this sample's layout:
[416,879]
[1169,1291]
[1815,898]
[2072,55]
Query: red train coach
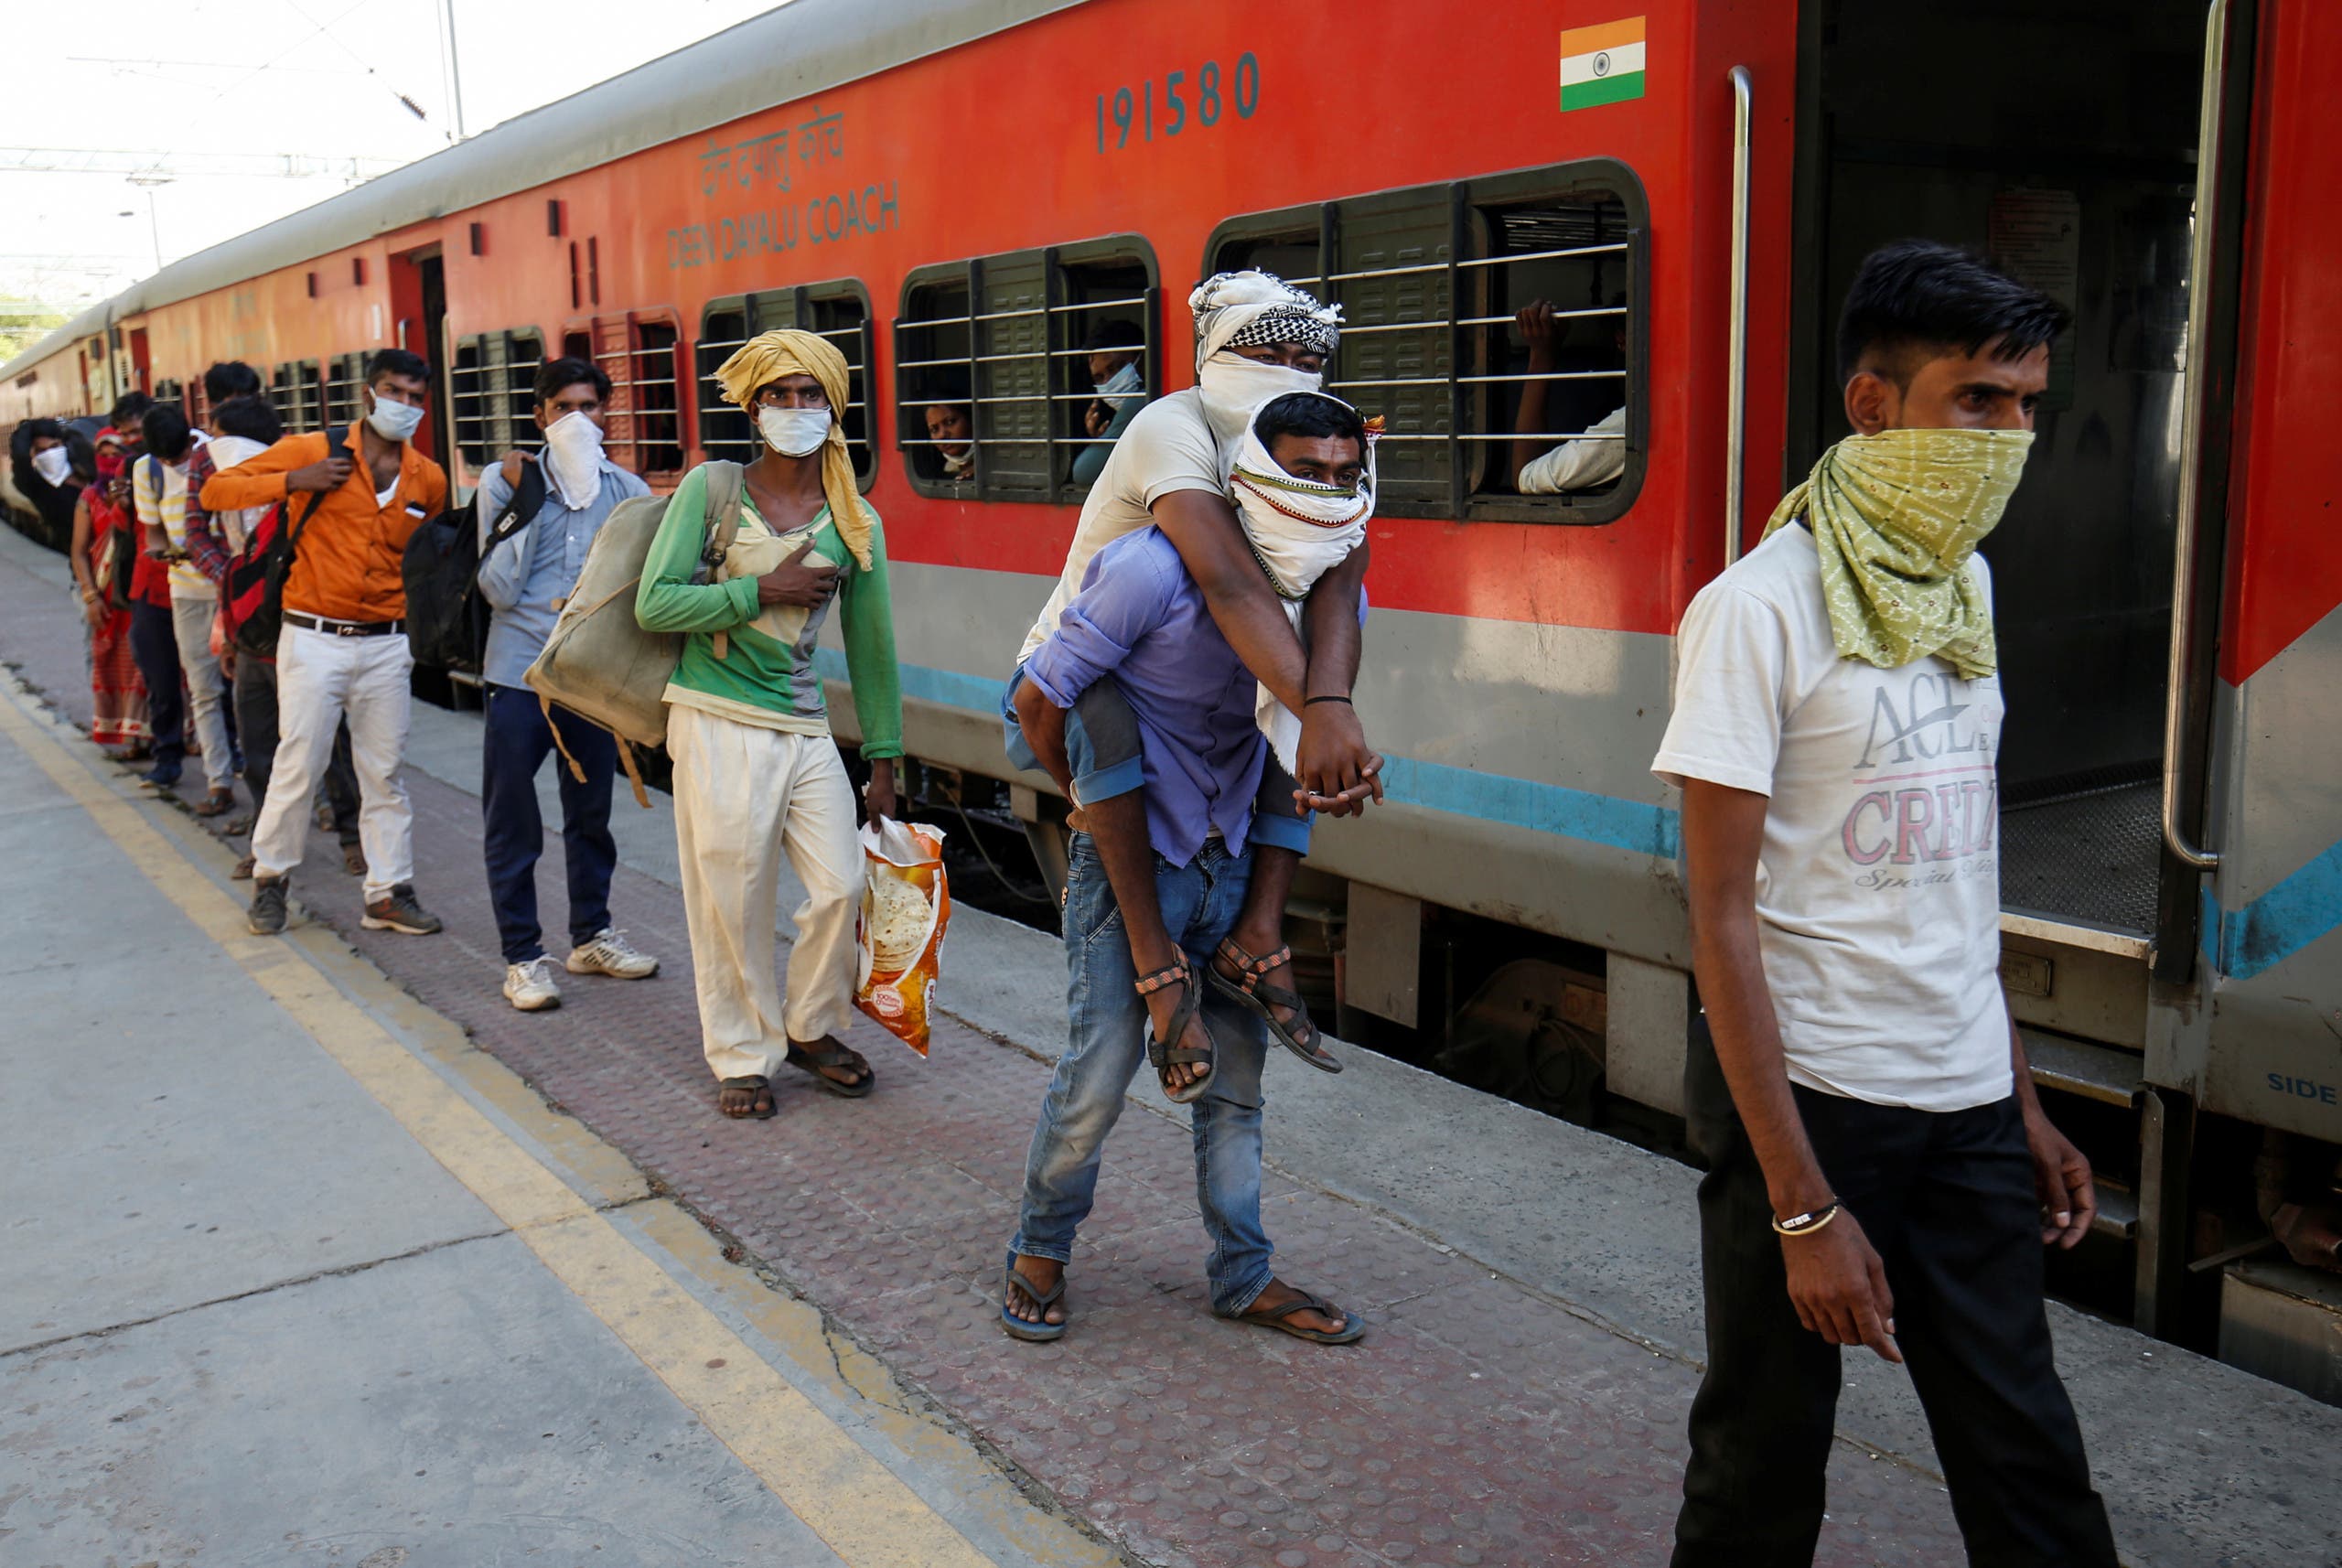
[957,191]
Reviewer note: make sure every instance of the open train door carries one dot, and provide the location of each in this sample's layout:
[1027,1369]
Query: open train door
[2063,140]
[419,319]
[2255,819]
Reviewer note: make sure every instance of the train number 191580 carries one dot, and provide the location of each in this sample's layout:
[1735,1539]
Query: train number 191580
[1204,101]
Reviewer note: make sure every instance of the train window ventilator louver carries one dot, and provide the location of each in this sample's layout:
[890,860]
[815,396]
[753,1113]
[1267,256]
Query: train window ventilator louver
[838,310]
[1002,336]
[492,392]
[1400,262]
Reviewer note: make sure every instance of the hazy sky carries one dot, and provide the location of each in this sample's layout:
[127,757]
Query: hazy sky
[314,77]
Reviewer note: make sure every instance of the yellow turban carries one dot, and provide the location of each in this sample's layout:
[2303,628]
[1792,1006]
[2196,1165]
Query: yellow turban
[764,360]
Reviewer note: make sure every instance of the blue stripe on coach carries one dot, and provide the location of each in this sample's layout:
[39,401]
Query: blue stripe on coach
[2298,910]
[1634,825]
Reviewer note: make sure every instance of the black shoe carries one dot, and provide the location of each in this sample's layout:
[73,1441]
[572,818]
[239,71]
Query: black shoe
[267,916]
[399,912]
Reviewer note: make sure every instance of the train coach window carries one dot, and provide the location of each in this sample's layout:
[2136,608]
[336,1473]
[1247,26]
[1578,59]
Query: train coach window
[997,341]
[492,393]
[297,391]
[639,354]
[1429,280]
[345,375]
[173,392]
[839,311]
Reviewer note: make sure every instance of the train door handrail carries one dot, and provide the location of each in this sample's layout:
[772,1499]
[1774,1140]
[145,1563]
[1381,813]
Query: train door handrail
[1735,442]
[2191,440]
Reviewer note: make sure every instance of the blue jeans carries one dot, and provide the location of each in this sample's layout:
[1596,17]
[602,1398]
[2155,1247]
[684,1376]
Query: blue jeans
[1101,745]
[1106,1048]
[518,742]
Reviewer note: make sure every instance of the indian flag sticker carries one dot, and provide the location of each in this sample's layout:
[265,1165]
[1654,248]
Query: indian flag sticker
[1602,65]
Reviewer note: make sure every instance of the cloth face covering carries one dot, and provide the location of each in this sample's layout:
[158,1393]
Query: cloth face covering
[793,432]
[764,360]
[1234,388]
[53,464]
[1895,518]
[574,459]
[1240,309]
[394,422]
[1298,529]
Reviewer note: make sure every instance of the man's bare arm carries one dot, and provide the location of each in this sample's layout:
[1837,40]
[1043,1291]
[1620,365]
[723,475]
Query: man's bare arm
[2061,1174]
[1342,771]
[1835,1278]
[1043,726]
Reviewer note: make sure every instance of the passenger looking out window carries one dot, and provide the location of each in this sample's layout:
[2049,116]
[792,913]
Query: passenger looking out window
[1116,348]
[953,427]
[1599,455]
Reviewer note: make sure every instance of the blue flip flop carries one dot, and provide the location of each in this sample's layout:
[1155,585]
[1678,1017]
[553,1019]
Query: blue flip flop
[1017,1328]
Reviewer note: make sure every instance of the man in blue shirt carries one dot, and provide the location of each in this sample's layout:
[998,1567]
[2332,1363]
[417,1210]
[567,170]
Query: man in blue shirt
[1141,621]
[523,578]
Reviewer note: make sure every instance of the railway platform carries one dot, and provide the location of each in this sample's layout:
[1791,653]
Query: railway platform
[485,1279]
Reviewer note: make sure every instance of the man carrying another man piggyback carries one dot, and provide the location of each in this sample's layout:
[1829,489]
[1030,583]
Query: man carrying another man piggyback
[1161,668]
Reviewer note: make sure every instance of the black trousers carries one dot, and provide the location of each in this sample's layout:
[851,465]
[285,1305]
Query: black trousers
[155,649]
[255,704]
[1948,1199]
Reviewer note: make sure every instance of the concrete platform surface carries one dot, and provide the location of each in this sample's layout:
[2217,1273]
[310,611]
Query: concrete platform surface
[1534,1286]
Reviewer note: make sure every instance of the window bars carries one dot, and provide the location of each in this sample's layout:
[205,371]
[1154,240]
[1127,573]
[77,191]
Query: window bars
[638,353]
[1002,337]
[492,392]
[1429,279]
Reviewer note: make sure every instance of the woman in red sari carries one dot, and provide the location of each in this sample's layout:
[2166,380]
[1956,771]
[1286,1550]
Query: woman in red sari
[118,714]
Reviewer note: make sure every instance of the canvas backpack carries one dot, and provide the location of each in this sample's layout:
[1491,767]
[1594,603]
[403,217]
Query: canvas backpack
[599,662]
[253,588]
[446,620]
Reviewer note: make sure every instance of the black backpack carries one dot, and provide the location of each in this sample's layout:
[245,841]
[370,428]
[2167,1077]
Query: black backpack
[253,585]
[446,620]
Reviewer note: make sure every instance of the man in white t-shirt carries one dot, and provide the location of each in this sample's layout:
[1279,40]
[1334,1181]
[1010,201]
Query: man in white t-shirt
[1876,1158]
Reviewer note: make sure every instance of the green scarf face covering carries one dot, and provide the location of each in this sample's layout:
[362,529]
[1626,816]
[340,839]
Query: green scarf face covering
[1895,516]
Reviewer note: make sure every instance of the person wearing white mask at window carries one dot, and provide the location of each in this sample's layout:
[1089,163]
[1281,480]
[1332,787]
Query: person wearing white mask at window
[1116,348]
[757,772]
[523,577]
[1257,338]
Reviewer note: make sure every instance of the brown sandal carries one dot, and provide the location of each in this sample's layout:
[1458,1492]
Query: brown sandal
[1190,1009]
[757,1088]
[846,1057]
[218,803]
[1252,991]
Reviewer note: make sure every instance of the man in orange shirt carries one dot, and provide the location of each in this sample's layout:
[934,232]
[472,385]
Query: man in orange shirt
[343,651]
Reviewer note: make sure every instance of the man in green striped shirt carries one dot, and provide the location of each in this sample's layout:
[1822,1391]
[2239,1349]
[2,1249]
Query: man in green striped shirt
[757,772]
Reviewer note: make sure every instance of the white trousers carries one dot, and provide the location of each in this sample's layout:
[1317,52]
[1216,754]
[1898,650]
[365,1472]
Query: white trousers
[191,627]
[321,678]
[744,795]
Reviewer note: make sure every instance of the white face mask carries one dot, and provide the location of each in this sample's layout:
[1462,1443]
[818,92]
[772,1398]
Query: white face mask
[1125,380]
[794,432]
[53,464]
[573,458]
[394,422]
[1234,387]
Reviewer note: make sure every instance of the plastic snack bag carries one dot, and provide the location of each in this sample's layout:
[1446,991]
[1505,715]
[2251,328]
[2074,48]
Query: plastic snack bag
[906,905]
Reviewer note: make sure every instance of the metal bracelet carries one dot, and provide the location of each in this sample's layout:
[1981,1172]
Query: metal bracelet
[1808,1223]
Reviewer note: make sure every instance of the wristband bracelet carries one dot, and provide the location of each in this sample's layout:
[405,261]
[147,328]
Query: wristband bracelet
[1313,701]
[1808,1223]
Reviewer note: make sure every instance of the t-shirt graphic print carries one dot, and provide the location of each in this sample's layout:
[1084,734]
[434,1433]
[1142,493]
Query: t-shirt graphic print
[1878,884]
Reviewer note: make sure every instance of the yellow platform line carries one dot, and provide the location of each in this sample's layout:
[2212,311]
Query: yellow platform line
[860,1510]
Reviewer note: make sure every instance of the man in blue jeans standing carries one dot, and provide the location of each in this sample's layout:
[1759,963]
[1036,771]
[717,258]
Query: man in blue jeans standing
[1141,621]
[523,575]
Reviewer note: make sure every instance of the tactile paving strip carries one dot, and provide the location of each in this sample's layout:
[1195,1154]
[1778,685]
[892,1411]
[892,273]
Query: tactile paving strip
[1479,1423]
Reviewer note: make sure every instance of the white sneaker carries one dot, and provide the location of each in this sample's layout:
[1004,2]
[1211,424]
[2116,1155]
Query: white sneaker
[609,953]
[531,986]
